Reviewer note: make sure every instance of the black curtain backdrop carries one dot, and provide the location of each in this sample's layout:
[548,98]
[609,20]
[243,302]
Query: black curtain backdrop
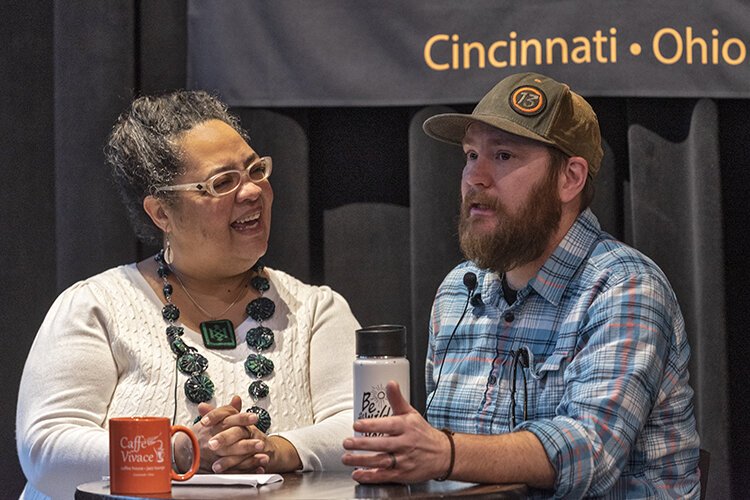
[364,201]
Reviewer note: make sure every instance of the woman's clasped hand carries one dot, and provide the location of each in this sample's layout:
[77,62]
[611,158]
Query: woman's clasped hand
[231,443]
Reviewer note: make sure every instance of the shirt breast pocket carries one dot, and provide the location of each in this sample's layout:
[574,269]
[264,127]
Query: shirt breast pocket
[545,385]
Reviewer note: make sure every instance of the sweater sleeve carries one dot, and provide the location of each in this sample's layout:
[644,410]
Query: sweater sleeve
[66,386]
[331,355]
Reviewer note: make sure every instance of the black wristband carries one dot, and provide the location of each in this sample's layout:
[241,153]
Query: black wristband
[448,473]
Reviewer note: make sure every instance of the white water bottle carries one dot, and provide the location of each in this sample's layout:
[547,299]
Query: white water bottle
[381,356]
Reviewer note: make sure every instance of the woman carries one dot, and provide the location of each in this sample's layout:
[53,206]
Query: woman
[192,332]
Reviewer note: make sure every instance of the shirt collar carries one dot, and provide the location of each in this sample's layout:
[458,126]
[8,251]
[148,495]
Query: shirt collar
[553,278]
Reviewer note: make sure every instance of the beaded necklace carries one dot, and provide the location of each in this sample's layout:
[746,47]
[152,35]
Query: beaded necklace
[199,387]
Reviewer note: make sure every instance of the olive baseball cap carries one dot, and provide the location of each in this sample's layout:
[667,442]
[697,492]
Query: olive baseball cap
[533,106]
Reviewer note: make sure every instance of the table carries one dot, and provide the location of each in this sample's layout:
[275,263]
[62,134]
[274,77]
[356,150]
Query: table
[321,485]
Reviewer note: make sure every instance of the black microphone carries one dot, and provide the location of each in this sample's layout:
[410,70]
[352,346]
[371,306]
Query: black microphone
[523,354]
[470,282]
[520,356]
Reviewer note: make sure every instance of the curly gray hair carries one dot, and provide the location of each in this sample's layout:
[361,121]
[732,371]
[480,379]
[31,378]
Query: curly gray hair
[143,148]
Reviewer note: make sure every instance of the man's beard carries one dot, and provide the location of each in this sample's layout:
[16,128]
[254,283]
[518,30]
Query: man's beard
[518,238]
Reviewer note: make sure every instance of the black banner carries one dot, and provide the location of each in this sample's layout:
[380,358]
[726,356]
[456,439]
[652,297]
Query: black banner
[379,53]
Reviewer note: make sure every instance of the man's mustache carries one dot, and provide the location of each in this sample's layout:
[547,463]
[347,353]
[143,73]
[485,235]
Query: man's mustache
[476,196]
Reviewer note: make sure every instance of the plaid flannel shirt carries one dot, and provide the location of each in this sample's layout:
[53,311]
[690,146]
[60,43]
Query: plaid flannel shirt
[606,388]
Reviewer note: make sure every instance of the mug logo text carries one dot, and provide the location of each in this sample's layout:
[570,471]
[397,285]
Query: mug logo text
[142,449]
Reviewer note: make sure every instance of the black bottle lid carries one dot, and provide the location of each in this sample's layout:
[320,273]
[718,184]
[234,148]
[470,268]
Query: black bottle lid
[381,340]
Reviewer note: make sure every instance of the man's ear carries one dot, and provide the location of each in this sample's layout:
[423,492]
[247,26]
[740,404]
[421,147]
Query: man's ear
[154,207]
[573,178]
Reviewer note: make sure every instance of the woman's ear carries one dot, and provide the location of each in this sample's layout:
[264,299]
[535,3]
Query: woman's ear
[154,207]
[573,178]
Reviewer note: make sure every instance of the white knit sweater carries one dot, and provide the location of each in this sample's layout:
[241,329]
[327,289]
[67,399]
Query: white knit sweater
[102,352]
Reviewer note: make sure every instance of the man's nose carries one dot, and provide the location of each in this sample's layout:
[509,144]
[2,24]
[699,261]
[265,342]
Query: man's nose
[478,173]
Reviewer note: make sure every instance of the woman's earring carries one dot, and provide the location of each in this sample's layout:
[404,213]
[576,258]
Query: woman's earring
[168,253]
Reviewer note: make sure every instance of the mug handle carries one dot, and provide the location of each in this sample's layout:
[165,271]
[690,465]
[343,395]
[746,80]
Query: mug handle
[196,453]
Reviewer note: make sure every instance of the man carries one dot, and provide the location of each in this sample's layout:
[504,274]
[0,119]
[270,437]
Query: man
[557,355]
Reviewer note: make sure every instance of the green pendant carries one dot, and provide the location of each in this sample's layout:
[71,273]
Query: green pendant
[260,338]
[199,388]
[264,419]
[218,334]
[258,365]
[258,389]
[192,363]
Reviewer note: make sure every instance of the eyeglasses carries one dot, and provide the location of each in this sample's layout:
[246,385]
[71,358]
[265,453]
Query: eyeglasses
[225,183]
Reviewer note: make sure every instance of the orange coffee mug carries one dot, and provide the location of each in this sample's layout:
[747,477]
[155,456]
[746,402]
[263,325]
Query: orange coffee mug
[140,455]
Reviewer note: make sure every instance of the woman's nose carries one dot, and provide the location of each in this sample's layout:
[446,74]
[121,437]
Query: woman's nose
[248,189]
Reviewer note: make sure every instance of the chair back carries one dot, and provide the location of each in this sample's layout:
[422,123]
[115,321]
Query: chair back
[704,462]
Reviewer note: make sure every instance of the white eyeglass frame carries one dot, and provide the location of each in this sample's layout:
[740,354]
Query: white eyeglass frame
[207,186]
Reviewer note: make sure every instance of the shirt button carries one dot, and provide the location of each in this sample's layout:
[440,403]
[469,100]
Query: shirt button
[492,380]
[509,316]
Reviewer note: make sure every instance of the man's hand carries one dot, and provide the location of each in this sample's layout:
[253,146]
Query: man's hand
[406,448]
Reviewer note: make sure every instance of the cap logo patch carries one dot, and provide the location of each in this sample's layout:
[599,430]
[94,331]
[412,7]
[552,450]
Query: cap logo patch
[528,101]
